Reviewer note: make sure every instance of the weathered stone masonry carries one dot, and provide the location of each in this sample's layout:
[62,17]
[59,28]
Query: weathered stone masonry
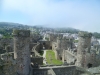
[83,50]
[21,51]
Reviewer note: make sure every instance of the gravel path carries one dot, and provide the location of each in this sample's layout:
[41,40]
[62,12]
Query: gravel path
[44,57]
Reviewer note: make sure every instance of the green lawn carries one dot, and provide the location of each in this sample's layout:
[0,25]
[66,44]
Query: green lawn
[50,56]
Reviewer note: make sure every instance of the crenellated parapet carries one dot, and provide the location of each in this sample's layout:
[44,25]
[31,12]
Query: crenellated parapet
[85,34]
[65,38]
[64,42]
[54,36]
[84,49]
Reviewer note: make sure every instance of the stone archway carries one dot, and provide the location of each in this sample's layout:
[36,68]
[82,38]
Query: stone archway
[50,47]
[60,58]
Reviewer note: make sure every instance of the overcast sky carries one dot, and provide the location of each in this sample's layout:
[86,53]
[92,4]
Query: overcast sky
[80,14]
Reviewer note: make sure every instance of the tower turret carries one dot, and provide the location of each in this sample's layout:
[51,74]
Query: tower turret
[84,46]
[21,51]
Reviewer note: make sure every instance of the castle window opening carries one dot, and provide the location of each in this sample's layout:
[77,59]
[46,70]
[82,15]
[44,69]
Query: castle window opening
[89,65]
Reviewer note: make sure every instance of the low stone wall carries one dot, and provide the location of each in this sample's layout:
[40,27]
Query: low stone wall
[40,71]
[36,57]
[60,70]
[65,70]
[38,47]
[35,50]
[38,60]
[46,44]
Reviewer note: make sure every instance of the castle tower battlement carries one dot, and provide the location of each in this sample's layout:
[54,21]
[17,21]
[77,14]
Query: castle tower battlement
[21,33]
[53,37]
[84,46]
[85,34]
[64,38]
[21,51]
[64,42]
[84,42]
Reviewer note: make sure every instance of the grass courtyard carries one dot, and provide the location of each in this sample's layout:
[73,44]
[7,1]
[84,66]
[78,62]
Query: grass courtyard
[50,57]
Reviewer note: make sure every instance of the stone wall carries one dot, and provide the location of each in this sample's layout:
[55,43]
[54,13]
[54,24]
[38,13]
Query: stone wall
[6,43]
[38,47]
[46,44]
[36,57]
[38,60]
[54,45]
[21,51]
[83,50]
[63,43]
[40,71]
[52,37]
[69,57]
[62,70]
[65,71]
[41,44]
[32,45]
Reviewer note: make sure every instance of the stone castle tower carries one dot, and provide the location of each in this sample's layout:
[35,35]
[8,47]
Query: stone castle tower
[64,43]
[21,51]
[83,49]
[53,37]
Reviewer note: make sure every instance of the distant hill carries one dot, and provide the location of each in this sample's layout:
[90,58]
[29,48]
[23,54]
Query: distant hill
[10,23]
[7,27]
[66,30]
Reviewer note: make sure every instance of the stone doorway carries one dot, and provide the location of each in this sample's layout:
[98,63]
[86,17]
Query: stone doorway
[89,65]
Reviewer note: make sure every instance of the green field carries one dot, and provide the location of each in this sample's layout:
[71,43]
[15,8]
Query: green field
[50,56]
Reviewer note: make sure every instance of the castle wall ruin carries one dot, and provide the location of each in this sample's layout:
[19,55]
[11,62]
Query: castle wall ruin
[84,56]
[21,51]
[63,43]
